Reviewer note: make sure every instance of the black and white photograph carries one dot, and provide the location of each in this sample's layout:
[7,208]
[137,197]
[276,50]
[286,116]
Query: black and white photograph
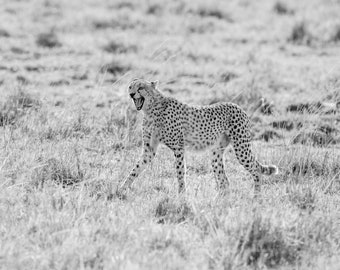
[163,135]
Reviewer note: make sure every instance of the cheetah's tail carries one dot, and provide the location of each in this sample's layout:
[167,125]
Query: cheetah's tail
[268,169]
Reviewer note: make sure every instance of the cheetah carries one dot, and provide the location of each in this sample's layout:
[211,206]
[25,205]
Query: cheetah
[181,126]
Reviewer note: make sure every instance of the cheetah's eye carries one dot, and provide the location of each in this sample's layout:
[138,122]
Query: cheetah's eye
[139,89]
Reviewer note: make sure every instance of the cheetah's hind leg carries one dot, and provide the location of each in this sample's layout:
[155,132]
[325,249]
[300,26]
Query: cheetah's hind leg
[246,157]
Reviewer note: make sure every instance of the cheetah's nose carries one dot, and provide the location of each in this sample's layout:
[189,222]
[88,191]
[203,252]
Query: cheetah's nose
[132,95]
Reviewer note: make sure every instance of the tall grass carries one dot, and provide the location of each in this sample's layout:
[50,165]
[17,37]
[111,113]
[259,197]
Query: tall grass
[64,152]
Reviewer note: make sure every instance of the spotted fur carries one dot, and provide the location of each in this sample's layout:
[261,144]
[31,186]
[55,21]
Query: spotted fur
[180,126]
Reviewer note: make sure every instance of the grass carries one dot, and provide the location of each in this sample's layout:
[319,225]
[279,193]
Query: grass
[57,172]
[303,198]
[172,212]
[17,105]
[69,135]
[267,245]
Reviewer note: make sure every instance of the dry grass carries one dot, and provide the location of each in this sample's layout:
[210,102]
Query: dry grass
[264,245]
[17,105]
[69,136]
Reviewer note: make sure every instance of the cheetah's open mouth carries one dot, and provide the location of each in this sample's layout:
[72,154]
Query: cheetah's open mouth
[139,103]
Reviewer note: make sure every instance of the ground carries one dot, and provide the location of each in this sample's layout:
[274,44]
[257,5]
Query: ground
[69,134]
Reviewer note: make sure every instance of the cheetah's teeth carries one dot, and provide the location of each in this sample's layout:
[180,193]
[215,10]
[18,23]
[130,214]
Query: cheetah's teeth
[139,103]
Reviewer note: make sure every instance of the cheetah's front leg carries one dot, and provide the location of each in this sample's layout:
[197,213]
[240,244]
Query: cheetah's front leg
[180,169]
[218,165]
[149,151]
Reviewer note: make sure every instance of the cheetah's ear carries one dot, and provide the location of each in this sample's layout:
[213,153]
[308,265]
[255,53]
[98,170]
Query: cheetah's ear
[154,84]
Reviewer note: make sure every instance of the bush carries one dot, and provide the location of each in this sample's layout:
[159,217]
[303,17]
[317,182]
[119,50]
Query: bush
[172,212]
[267,245]
[268,135]
[4,33]
[155,9]
[121,22]
[78,127]
[48,40]
[303,198]
[266,107]
[57,172]
[115,68]
[283,124]
[312,108]
[300,35]
[315,166]
[282,9]
[212,11]
[16,106]
[227,76]
[314,138]
[118,47]
[336,35]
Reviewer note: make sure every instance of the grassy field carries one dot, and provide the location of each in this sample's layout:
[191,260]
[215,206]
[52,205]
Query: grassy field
[69,134]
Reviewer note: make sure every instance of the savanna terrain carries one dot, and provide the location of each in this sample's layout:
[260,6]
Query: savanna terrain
[69,134]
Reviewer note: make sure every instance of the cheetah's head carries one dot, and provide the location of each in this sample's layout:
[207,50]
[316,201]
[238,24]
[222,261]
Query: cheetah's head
[142,92]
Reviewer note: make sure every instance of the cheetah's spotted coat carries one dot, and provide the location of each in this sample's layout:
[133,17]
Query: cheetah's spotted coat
[180,126]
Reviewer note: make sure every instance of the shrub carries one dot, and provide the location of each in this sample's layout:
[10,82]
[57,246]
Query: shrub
[57,172]
[314,138]
[304,167]
[212,11]
[168,211]
[99,189]
[266,244]
[121,22]
[201,27]
[4,33]
[155,9]
[303,198]
[283,124]
[48,40]
[314,165]
[118,47]
[59,82]
[115,68]
[312,108]
[300,35]
[268,135]
[163,243]
[282,9]
[328,129]
[16,106]
[336,34]
[22,79]
[227,76]
[124,4]
[204,12]
[78,127]
[266,107]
